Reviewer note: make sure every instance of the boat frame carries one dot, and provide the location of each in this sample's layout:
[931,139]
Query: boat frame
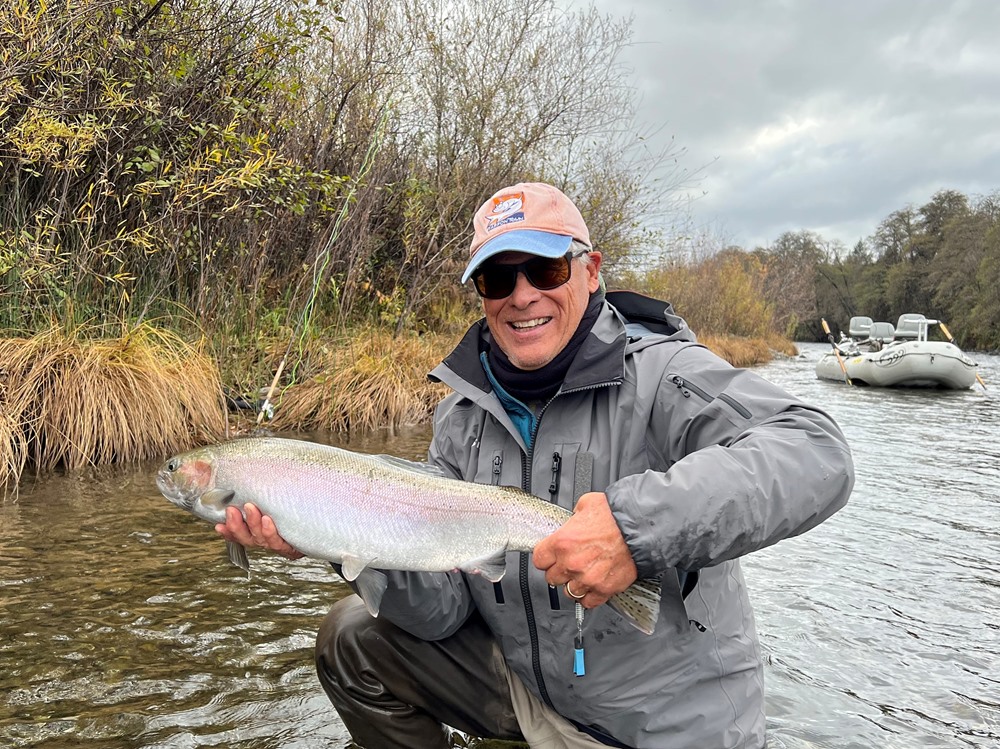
[879,354]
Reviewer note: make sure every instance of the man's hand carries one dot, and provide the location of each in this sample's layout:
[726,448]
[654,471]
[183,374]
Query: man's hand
[256,530]
[588,552]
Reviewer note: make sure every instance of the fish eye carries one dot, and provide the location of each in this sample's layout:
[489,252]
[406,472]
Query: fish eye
[173,464]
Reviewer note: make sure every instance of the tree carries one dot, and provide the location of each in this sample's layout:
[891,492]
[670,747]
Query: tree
[789,277]
[497,93]
[891,240]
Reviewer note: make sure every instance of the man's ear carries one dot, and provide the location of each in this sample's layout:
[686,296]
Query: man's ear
[594,272]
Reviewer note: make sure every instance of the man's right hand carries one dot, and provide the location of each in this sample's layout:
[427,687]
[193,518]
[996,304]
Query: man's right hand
[255,530]
[588,553]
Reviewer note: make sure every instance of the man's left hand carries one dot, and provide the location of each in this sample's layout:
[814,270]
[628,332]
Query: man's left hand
[588,552]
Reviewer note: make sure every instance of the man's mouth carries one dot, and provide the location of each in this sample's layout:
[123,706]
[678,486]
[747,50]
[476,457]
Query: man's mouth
[527,324]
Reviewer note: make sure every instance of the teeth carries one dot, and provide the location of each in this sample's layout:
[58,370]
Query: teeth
[523,324]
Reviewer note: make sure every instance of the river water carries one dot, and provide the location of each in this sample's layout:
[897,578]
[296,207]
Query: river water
[122,625]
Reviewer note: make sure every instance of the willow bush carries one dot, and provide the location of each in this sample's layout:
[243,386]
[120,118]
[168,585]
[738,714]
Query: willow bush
[142,158]
[720,294]
[218,155]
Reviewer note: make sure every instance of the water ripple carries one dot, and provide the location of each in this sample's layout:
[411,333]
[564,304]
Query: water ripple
[123,626]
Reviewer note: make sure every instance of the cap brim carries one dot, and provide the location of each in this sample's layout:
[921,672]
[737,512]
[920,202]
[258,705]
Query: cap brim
[531,241]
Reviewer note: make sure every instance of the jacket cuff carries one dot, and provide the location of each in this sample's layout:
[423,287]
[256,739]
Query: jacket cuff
[634,527]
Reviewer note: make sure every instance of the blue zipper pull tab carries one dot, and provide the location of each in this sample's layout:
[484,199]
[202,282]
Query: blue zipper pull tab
[578,667]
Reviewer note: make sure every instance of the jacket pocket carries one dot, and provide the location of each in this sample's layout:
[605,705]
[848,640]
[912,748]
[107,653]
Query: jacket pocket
[687,388]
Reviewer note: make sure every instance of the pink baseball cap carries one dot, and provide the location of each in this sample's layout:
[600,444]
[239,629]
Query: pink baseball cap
[530,217]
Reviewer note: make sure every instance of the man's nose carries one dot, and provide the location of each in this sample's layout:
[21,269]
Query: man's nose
[523,292]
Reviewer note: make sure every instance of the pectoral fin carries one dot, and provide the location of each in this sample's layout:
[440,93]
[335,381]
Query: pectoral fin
[217,498]
[371,585]
[238,556]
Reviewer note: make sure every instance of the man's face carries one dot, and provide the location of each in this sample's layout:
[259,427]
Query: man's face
[532,326]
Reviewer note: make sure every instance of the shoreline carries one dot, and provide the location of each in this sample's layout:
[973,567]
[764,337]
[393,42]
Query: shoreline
[68,402]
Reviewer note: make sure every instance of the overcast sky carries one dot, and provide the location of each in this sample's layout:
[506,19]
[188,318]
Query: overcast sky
[824,115]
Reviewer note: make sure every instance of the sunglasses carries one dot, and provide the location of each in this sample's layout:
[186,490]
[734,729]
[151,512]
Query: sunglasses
[497,281]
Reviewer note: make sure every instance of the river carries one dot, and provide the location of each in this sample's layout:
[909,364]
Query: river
[122,625]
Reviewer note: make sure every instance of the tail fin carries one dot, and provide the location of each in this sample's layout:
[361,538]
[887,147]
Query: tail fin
[639,604]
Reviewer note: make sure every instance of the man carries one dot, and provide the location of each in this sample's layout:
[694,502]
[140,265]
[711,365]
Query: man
[675,463]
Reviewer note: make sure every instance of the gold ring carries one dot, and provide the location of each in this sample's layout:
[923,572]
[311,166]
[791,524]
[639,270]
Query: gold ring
[571,594]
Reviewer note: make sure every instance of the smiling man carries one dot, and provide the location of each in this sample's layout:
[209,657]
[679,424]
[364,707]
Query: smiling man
[524,272]
[675,465]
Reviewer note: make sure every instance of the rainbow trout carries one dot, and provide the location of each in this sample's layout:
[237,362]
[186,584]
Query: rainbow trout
[374,512]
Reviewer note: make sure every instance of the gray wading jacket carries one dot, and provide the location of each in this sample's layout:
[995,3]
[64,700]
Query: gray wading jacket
[702,463]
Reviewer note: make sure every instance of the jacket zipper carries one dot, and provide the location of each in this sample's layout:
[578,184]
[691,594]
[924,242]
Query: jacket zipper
[687,387]
[523,569]
[495,479]
[529,609]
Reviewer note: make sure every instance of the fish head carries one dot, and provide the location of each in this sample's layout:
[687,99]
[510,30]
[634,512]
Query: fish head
[188,481]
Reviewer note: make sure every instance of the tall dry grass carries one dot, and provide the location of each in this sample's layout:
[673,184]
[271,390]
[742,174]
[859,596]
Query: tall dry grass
[367,380]
[68,399]
[371,379]
[747,352]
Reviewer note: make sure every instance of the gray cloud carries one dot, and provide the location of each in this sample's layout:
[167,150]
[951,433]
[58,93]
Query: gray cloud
[820,115]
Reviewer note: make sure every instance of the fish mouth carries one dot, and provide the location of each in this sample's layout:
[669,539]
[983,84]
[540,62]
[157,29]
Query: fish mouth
[170,490]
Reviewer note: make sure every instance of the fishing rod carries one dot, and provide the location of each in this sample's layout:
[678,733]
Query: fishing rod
[322,263]
[836,351]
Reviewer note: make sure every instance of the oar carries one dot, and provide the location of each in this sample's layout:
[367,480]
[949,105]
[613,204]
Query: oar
[951,340]
[836,351]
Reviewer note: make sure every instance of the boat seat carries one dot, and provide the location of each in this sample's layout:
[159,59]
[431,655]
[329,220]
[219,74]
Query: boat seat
[882,332]
[859,327]
[908,327]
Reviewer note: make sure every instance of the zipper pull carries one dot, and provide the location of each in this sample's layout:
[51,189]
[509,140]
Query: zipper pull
[556,467]
[681,385]
[497,463]
[578,667]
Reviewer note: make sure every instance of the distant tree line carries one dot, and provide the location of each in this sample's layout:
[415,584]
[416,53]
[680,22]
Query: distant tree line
[941,259]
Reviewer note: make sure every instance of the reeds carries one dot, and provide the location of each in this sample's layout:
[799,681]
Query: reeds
[370,380]
[68,399]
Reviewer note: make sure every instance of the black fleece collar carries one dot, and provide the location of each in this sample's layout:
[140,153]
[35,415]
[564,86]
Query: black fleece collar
[541,384]
[599,361]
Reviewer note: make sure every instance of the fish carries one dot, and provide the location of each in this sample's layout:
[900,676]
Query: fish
[369,513]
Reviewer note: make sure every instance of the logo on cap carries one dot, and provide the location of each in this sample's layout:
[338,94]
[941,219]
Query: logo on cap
[506,210]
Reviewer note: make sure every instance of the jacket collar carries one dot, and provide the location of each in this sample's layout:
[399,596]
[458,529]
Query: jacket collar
[600,361]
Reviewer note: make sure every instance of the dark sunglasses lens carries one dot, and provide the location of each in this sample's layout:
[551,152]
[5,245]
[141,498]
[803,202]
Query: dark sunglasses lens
[495,281]
[546,274]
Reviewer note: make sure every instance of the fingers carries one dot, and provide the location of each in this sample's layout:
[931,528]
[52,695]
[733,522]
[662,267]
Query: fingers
[252,528]
[235,529]
[275,542]
[544,554]
[587,555]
